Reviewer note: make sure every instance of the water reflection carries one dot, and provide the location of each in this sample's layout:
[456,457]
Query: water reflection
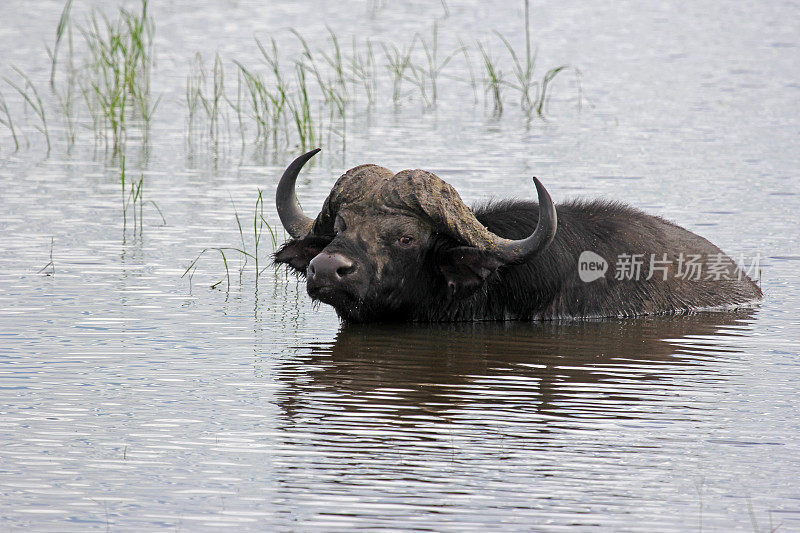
[516,371]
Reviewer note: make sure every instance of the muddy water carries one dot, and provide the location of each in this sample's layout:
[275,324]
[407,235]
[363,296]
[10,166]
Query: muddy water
[133,399]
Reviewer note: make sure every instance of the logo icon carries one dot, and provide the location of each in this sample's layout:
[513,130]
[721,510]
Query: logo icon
[591,266]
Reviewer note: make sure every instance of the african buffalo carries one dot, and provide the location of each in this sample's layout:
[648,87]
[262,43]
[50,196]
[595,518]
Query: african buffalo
[405,247]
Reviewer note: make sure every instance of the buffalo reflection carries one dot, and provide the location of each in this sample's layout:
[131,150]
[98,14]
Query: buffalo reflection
[614,368]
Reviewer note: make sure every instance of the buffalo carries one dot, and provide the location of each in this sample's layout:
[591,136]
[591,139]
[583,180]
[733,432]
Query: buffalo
[405,247]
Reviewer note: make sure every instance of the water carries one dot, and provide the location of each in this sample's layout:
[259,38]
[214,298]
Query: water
[132,399]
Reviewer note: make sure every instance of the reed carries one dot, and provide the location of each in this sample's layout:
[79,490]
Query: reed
[195,80]
[238,106]
[192,268]
[63,25]
[118,73]
[398,61]
[258,216]
[524,72]
[334,96]
[336,62]
[267,105]
[7,121]
[212,104]
[494,81]
[260,223]
[425,76]
[307,58]
[65,96]
[140,28]
[124,199]
[278,98]
[331,88]
[209,100]
[259,101]
[363,71]
[545,83]
[132,191]
[468,62]
[525,84]
[104,90]
[338,110]
[332,76]
[287,106]
[33,99]
[279,105]
[239,225]
[300,107]
[52,271]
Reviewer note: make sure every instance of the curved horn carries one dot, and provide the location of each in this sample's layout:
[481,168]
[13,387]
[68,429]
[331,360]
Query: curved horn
[291,214]
[423,192]
[518,251]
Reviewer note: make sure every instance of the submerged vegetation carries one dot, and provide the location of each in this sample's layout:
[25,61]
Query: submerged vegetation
[102,66]
[110,68]
[244,254]
[32,98]
[116,79]
[309,101]
[133,198]
[281,103]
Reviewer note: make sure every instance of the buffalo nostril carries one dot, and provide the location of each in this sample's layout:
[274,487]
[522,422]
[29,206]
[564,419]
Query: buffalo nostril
[330,267]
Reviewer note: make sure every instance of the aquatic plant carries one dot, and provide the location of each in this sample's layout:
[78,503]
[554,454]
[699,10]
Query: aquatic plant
[117,76]
[50,263]
[494,81]
[398,61]
[194,86]
[301,110]
[524,72]
[260,223]
[63,25]
[34,100]
[238,106]
[336,62]
[267,105]
[295,106]
[212,104]
[525,82]
[333,90]
[209,100]
[468,62]
[363,71]
[425,76]
[133,196]
[546,79]
[66,95]
[7,121]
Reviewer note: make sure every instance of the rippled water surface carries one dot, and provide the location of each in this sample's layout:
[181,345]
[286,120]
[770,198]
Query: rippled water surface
[134,399]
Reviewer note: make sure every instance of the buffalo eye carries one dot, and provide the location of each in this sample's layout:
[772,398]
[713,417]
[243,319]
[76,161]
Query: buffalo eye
[406,240]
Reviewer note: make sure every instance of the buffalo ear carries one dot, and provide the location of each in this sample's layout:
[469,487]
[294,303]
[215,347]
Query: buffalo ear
[465,268]
[299,253]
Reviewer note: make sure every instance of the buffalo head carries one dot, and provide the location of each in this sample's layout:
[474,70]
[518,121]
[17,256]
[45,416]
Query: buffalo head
[385,244]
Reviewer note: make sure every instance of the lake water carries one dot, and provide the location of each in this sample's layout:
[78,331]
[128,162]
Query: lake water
[132,398]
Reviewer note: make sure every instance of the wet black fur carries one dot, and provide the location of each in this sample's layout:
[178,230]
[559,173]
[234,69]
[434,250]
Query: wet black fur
[448,282]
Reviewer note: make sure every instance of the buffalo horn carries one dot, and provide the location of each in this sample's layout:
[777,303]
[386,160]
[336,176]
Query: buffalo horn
[513,251]
[291,214]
